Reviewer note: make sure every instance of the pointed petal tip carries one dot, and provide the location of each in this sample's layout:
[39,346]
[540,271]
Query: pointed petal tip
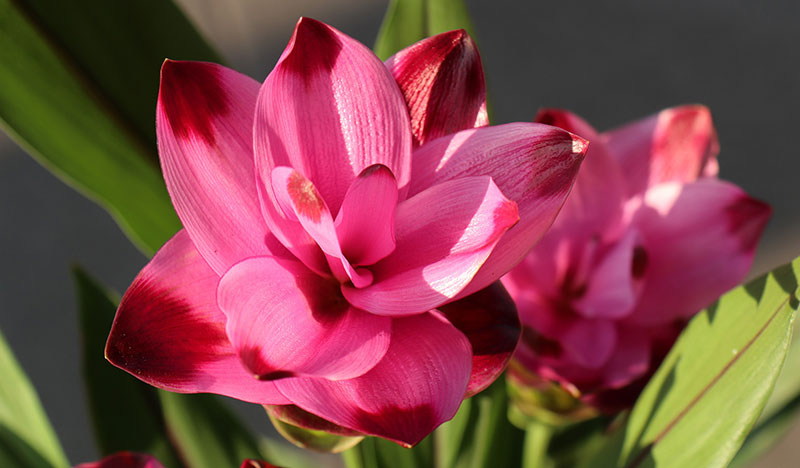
[579,146]
[747,218]
[191,96]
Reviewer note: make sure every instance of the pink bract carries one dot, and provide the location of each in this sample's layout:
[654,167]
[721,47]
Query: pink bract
[124,460]
[338,220]
[648,237]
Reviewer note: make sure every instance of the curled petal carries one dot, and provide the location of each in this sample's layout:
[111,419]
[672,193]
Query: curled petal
[700,240]
[301,202]
[675,145]
[444,235]
[284,319]
[589,342]
[532,164]
[330,109]
[418,385]
[365,223]
[441,78]
[169,332]
[611,290]
[204,121]
[489,320]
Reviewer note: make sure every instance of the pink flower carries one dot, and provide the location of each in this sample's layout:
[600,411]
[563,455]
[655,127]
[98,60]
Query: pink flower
[336,221]
[648,237]
[124,460]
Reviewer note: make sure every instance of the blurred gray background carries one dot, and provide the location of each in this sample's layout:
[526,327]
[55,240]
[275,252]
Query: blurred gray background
[609,62]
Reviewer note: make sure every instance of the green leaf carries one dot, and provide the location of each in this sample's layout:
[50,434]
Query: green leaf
[779,413]
[126,413]
[408,21]
[206,433]
[494,440]
[78,88]
[708,392]
[26,438]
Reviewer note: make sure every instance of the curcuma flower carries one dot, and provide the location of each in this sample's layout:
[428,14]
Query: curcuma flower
[648,237]
[338,221]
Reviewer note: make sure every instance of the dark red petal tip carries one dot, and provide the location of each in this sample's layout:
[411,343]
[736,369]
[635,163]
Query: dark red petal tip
[747,218]
[313,48]
[406,426]
[192,96]
[166,358]
[490,322]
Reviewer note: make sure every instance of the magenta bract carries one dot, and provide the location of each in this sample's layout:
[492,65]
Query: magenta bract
[328,215]
[124,460]
[648,237]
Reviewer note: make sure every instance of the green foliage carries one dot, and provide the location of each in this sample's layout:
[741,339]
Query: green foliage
[78,88]
[708,392]
[196,431]
[126,413]
[206,433]
[26,438]
[408,21]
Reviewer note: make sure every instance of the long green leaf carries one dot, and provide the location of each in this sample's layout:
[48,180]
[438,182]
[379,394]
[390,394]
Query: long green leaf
[408,21]
[206,433]
[126,412]
[779,413]
[26,438]
[77,90]
[708,392]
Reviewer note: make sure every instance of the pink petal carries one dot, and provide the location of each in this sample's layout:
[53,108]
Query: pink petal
[365,223]
[489,320]
[418,385]
[677,144]
[204,123]
[301,202]
[590,342]
[444,235]
[284,320]
[169,332]
[700,240]
[533,164]
[611,292]
[595,203]
[329,109]
[441,78]
[124,460]
[630,360]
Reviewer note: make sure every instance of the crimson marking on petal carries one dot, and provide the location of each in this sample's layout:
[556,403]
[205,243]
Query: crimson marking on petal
[308,56]
[489,320]
[262,370]
[407,426]
[746,219]
[167,361]
[639,262]
[305,197]
[461,63]
[562,173]
[192,96]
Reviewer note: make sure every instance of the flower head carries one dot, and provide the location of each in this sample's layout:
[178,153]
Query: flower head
[338,221]
[647,238]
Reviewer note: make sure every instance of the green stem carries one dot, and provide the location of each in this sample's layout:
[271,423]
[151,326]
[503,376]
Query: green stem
[537,439]
[352,457]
